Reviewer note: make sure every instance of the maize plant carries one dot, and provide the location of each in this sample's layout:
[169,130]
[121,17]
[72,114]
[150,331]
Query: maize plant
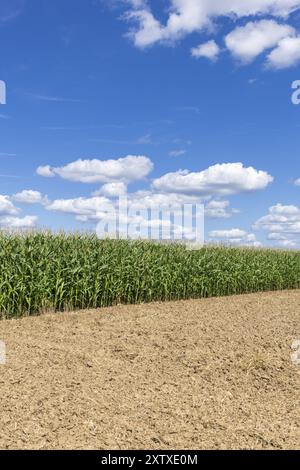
[43,271]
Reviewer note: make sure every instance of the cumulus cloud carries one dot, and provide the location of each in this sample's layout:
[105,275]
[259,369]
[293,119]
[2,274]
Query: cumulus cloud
[28,196]
[232,233]
[8,215]
[18,222]
[286,54]
[221,179]
[249,41]
[93,207]
[269,28]
[210,50]
[282,225]
[127,169]
[165,214]
[189,16]
[112,190]
[168,192]
[281,219]
[284,240]
[235,236]
[164,210]
[152,200]
[6,206]
[45,171]
[218,209]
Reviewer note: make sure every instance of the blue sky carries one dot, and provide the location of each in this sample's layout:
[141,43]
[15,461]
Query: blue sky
[175,85]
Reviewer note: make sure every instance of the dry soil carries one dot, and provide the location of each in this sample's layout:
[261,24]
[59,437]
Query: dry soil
[200,374]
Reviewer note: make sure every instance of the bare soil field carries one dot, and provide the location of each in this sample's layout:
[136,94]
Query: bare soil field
[200,374]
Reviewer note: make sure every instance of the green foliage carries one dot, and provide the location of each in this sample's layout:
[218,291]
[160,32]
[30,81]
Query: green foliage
[55,272]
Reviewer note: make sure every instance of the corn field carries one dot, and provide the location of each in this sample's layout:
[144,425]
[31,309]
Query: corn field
[43,272]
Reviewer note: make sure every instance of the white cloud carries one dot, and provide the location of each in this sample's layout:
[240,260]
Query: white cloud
[150,30]
[210,50]
[281,219]
[284,240]
[286,54]
[6,206]
[217,209]
[275,237]
[221,179]
[97,208]
[199,16]
[288,243]
[18,222]
[127,169]
[28,196]
[189,16]
[249,41]
[112,190]
[137,3]
[177,153]
[297,182]
[235,236]
[145,139]
[232,233]
[282,224]
[152,200]
[93,207]
[45,171]
[8,214]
